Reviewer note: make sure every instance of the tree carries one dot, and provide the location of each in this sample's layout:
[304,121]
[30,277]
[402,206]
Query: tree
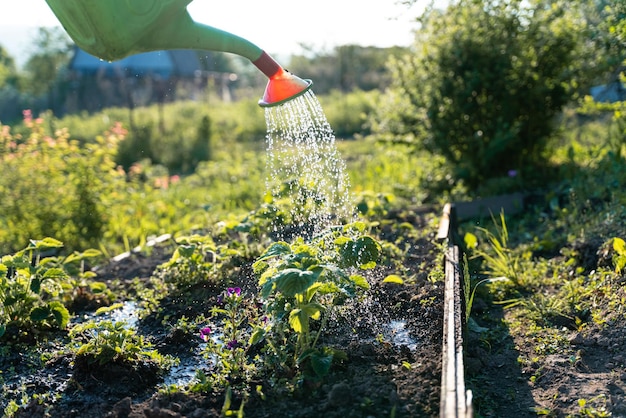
[8,72]
[346,68]
[52,53]
[483,83]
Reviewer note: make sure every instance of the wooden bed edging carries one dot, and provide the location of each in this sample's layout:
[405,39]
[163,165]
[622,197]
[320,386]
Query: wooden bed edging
[456,401]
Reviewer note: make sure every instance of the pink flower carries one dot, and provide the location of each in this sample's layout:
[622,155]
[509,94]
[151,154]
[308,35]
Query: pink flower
[234,291]
[205,333]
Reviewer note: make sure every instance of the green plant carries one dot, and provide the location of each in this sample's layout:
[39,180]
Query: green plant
[32,288]
[619,257]
[53,186]
[500,260]
[302,282]
[107,342]
[235,328]
[195,260]
[483,84]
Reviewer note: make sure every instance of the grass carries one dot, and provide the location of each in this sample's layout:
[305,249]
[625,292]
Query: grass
[563,260]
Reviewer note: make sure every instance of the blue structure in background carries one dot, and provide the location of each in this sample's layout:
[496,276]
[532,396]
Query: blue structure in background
[179,63]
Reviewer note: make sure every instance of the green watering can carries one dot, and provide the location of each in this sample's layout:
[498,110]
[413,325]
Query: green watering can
[114,29]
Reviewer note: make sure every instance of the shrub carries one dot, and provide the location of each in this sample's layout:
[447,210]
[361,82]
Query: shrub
[483,85]
[52,186]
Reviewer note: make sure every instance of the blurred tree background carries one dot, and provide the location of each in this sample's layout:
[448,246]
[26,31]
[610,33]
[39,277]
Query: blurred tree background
[482,88]
[487,79]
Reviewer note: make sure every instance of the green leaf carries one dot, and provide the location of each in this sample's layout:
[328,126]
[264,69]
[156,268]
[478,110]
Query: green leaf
[312,290]
[299,320]
[293,281]
[76,256]
[35,285]
[186,250]
[98,287]
[40,313]
[54,273]
[619,246]
[312,310]
[321,362]
[393,278]
[471,241]
[61,314]
[46,244]
[3,329]
[362,252]
[257,336]
[360,281]
[276,249]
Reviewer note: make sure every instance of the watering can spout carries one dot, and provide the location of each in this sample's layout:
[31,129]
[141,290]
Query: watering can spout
[114,29]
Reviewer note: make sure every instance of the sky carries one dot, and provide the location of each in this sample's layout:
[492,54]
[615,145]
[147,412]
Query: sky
[280,28]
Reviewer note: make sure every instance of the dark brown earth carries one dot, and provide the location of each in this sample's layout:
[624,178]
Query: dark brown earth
[386,373]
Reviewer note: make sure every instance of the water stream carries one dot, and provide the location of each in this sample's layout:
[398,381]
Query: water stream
[307,177]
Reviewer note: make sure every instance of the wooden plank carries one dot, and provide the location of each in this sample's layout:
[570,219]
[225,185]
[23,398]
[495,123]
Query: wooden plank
[455,401]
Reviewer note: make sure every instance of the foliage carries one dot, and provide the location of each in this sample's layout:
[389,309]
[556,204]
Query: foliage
[483,85]
[348,113]
[345,68]
[500,261]
[8,71]
[53,52]
[52,186]
[619,257]
[229,341]
[32,288]
[303,282]
[195,260]
[106,342]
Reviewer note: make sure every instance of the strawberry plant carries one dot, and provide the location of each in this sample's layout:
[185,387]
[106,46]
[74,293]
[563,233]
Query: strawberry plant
[303,281]
[31,288]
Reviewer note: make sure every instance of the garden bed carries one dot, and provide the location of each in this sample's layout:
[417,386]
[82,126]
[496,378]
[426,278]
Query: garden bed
[552,342]
[392,338]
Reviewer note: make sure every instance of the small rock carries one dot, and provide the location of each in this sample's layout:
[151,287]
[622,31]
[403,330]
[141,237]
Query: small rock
[340,394]
[576,339]
[122,408]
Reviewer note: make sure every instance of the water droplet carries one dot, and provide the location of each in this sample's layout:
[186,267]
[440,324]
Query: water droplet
[307,177]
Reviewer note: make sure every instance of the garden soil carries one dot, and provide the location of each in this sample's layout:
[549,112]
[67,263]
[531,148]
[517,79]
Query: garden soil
[392,339]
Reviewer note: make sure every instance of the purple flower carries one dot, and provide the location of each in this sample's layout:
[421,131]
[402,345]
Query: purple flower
[236,291]
[204,333]
[512,173]
[232,344]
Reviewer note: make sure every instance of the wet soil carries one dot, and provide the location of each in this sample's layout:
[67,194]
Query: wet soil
[392,339]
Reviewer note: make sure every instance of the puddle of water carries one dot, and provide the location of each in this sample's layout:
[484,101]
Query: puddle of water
[397,333]
[128,313]
[183,373]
